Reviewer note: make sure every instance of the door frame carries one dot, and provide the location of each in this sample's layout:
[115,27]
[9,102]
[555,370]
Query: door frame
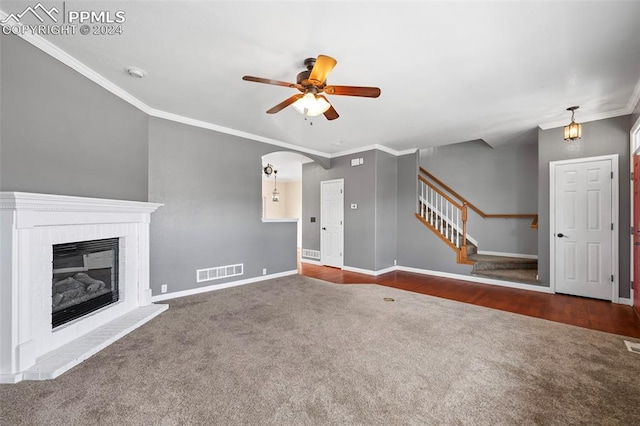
[634,141]
[322,182]
[615,190]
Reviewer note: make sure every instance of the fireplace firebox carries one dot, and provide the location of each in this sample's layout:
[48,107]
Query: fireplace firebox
[85,278]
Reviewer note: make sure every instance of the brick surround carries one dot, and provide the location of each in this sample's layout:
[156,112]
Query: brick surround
[30,224]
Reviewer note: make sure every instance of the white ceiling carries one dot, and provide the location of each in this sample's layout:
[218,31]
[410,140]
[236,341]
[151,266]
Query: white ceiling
[449,71]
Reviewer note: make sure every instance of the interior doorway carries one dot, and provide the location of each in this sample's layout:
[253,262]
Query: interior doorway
[583,219]
[285,177]
[332,222]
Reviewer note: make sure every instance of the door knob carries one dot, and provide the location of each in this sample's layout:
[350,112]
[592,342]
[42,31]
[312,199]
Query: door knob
[324,229]
[560,235]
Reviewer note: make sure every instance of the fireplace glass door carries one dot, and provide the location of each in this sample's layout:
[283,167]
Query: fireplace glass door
[85,278]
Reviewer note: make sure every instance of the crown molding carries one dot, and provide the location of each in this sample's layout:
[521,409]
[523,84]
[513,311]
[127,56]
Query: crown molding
[631,105]
[62,56]
[210,126]
[374,147]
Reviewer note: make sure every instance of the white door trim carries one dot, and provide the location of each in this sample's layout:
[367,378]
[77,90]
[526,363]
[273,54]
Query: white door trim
[634,141]
[341,182]
[615,292]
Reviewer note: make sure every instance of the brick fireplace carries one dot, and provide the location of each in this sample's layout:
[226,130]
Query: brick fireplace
[30,226]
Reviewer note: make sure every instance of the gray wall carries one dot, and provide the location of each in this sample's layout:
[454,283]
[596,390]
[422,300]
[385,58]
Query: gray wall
[498,181]
[359,225]
[386,231]
[603,137]
[63,134]
[211,186]
[418,247]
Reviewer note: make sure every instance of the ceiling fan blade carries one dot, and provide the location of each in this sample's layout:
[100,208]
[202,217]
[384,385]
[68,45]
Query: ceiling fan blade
[269,81]
[367,92]
[322,68]
[331,113]
[282,105]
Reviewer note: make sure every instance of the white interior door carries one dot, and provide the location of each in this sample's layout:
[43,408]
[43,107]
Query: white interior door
[331,222]
[582,228]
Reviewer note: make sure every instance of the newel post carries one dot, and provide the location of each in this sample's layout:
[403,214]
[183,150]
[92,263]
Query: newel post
[464,229]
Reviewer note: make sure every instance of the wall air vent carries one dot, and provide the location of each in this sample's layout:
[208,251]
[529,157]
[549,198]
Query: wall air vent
[218,272]
[312,254]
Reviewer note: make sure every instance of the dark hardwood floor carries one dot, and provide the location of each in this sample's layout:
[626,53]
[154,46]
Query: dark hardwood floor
[583,312]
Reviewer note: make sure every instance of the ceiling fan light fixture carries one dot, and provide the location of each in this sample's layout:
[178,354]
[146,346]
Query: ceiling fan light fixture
[573,130]
[311,105]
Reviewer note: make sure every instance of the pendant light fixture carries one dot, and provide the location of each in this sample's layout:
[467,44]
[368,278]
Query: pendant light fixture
[275,195]
[572,130]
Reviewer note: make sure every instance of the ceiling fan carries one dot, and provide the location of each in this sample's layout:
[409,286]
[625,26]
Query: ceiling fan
[312,83]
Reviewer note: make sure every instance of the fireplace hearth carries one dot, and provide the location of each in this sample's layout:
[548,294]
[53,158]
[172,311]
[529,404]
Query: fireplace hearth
[74,278]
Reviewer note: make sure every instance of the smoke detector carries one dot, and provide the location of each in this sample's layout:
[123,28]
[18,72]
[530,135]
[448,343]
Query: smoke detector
[135,72]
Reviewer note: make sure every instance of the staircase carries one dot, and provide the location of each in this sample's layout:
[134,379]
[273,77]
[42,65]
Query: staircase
[505,268]
[445,213]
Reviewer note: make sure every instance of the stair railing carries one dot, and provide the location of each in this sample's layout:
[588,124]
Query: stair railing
[534,217]
[444,215]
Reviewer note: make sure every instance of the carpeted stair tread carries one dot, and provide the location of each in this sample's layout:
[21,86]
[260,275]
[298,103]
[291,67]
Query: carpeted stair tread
[484,262]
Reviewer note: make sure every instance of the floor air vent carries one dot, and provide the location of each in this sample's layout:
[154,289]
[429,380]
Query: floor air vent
[312,254]
[633,346]
[219,272]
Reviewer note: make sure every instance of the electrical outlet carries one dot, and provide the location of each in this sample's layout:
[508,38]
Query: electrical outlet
[395,263]
[264,271]
[163,288]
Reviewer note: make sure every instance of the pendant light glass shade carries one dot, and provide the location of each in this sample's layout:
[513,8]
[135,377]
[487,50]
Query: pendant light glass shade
[572,130]
[275,195]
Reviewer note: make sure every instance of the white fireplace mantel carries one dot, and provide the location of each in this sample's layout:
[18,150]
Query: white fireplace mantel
[30,224]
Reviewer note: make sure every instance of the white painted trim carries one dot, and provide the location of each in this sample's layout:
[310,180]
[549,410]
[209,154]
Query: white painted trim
[587,118]
[214,287]
[62,56]
[625,301]
[634,99]
[368,271]
[446,219]
[277,220]
[615,196]
[477,280]
[634,142]
[217,128]
[310,261]
[631,105]
[498,253]
[371,148]
[22,201]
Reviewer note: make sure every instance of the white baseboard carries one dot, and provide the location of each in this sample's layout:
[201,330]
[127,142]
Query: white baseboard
[310,261]
[475,279]
[497,253]
[368,271]
[625,301]
[214,287]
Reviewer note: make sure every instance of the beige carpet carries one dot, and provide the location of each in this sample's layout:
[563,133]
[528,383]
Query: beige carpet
[305,352]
